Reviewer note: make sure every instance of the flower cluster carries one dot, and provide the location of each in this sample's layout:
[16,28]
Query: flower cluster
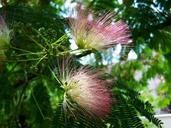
[100,33]
[86,89]
[83,86]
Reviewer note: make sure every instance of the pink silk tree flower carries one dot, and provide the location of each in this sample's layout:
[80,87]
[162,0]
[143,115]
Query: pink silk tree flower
[89,92]
[100,33]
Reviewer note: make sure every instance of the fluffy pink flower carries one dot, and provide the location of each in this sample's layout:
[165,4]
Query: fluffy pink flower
[89,92]
[100,33]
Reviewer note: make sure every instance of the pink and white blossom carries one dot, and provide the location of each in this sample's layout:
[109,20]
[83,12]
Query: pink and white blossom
[89,92]
[99,33]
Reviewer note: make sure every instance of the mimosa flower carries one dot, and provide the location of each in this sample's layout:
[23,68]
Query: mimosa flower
[100,33]
[88,91]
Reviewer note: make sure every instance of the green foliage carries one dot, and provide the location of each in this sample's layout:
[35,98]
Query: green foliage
[150,65]
[129,107]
